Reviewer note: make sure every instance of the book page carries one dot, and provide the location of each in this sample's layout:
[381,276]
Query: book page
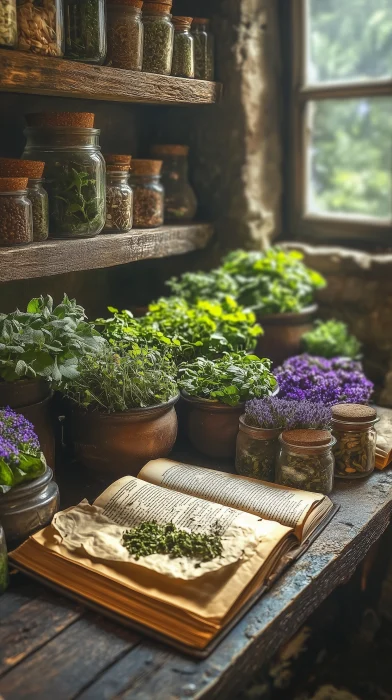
[286,506]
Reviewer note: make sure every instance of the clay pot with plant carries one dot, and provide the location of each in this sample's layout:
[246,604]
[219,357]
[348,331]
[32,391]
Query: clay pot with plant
[215,392]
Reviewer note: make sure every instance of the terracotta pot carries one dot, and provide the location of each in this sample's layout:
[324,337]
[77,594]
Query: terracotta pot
[122,443]
[211,426]
[23,392]
[283,333]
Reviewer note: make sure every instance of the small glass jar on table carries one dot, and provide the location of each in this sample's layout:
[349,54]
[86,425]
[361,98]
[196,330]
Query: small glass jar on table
[41,27]
[85,30]
[306,460]
[148,193]
[158,38]
[119,194]
[204,49]
[8,24]
[3,562]
[256,451]
[183,64]
[16,216]
[356,437]
[180,199]
[125,34]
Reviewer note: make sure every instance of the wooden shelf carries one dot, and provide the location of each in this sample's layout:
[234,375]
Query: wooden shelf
[56,257]
[23,72]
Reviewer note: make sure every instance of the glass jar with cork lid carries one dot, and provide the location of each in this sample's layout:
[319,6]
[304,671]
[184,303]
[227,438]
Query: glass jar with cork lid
[158,37]
[41,27]
[16,216]
[8,24]
[204,48]
[180,199]
[148,193]
[306,460]
[356,437]
[125,34]
[33,170]
[85,30]
[183,64]
[119,194]
[256,451]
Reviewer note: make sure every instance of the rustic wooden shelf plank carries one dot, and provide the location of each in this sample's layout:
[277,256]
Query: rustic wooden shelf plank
[55,257]
[37,75]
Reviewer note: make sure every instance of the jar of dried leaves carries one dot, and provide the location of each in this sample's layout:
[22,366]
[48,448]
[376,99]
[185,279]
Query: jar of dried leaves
[119,200]
[158,38]
[306,460]
[8,26]
[183,65]
[85,30]
[38,197]
[125,34]
[356,437]
[180,199]
[256,451]
[41,27]
[204,49]
[148,193]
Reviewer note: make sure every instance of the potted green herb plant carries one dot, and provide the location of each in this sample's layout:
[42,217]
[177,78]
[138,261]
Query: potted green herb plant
[331,339]
[215,392]
[123,410]
[39,349]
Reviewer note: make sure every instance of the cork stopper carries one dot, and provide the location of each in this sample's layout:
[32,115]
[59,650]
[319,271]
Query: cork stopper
[76,119]
[180,22]
[114,159]
[167,149]
[129,3]
[14,167]
[353,412]
[146,167]
[13,184]
[117,168]
[157,8]
[306,438]
[200,20]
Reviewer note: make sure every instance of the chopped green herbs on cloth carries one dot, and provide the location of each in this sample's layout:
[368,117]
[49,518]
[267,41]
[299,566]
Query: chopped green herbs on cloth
[151,538]
[21,458]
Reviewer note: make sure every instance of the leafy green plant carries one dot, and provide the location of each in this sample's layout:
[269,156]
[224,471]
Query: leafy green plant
[274,281]
[78,204]
[21,458]
[331,339]
[215,285]
[231,379]
[45,341]
[111,383]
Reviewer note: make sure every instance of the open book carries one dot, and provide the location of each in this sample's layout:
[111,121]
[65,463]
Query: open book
[180,600]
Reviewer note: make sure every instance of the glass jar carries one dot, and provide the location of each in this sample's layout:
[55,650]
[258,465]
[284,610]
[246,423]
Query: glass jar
[356,437]
[125,34]
[74,178]
[85,30]
[256,452]
[306,460]
[38,197]
[183,64]
[41,27]
[180,199]
[3,560]
[204,49]
[158,39]
[119,202]
[8,24]
[148,194]
[16,217]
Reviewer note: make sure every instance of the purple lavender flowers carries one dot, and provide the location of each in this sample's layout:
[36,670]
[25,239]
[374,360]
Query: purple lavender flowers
[20,454]
[279,413]
[310,378]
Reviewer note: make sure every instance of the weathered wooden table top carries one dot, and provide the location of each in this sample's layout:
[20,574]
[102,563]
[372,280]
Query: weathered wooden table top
[53,649]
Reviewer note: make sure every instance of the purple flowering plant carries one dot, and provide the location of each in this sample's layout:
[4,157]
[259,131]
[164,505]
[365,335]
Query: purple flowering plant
[21,458]
[289,415]
[316,379]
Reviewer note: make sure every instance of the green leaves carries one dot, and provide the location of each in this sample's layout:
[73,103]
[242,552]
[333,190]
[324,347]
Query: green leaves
[28,467]
[331,339]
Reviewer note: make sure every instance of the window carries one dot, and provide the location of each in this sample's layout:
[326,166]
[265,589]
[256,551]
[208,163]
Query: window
[341,130]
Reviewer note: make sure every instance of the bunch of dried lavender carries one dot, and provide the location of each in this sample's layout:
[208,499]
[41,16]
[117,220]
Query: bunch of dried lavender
[288,415]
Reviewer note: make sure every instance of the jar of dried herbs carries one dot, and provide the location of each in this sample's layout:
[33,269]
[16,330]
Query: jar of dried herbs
[16,217]
[3,562]
[183,64]
[38,197]
[158,38]
[356,437]
[125,34]
[204,49]
[119,200]
[41,27]
[148,193]
[75,173]
[85,30]
[8,25]
[256,451]
[180,199]
[306,460]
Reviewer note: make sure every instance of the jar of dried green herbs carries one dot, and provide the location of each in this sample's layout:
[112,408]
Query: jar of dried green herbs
[356,437]
[158,38]
[180,199]
[306,460]
[183,64]
[3,562]
[256,451]
[16,218]
[204,49]
[8,25]
[125,34]
[85,30]
[148,193]
[38,197]
[119,200]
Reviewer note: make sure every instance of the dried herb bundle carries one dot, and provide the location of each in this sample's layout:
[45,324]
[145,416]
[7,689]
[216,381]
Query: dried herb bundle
[151,538]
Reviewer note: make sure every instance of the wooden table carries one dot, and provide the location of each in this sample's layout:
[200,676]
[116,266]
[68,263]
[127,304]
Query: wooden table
[52,649]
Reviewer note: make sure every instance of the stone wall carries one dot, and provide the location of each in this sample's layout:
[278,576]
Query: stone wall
[359,291]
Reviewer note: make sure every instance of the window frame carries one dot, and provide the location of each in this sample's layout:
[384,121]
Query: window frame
[312,226]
